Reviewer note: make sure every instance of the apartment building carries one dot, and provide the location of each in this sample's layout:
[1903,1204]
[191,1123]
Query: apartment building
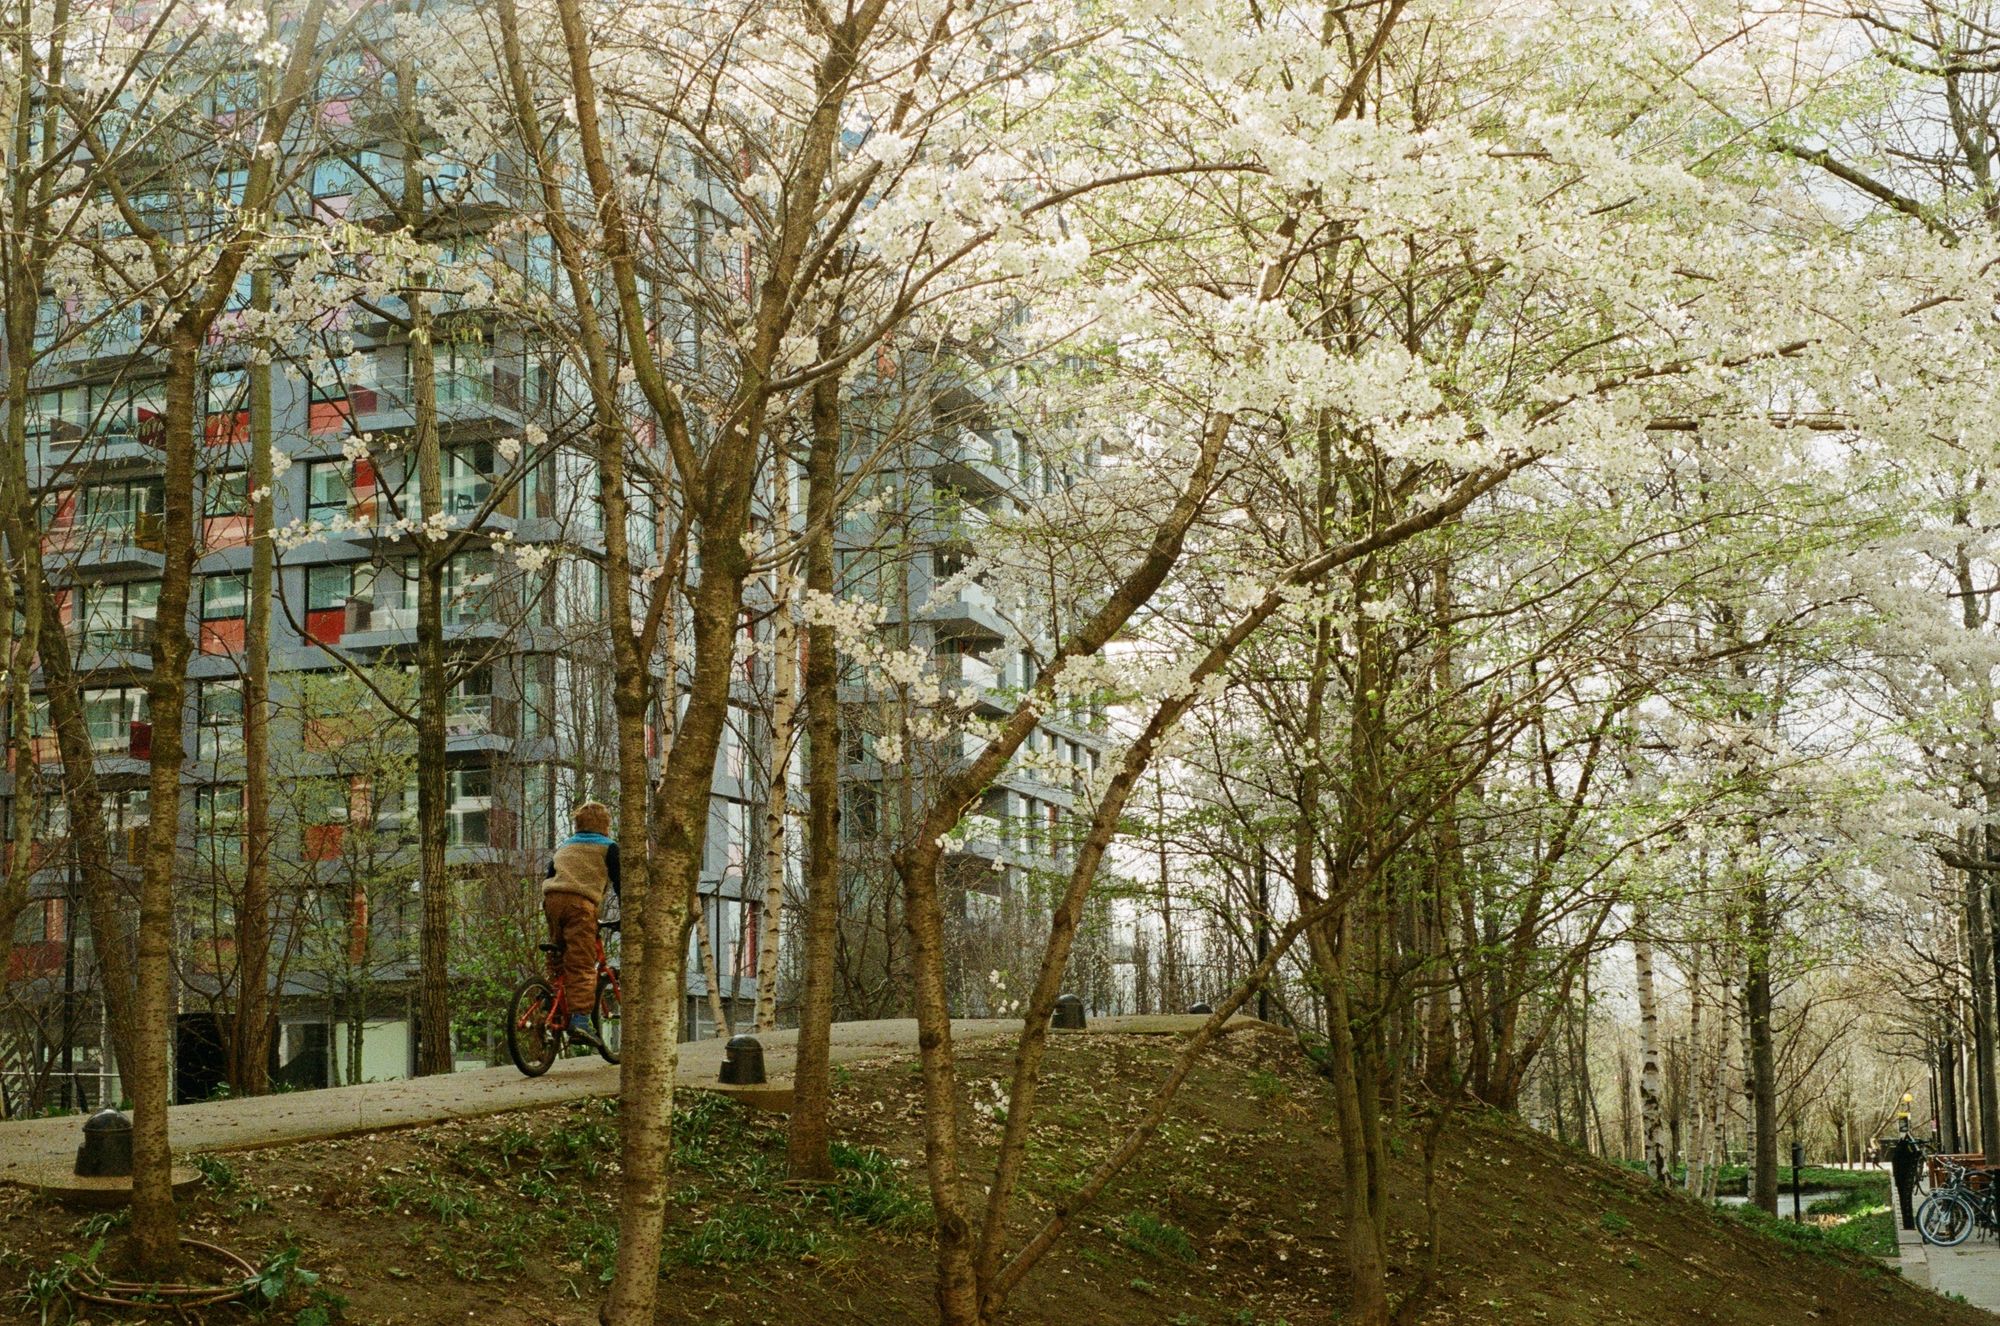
[918,555]
[528,719]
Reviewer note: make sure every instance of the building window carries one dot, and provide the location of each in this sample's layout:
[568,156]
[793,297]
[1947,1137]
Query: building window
[225,403]
[121,507]
[218,720]
[125,823]
[736,844]
[120,616]
[224,603]
[467,586]
[227,391]
[534,719]
[110,716]
[218,825]
[327,494]
[468,478]
[60,415]
[334,178]
[224,596]
[470,705]
[859,817]
[470,795]
[329,587]
[226,494]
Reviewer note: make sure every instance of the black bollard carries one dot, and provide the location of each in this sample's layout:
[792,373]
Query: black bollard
[743,1062]
[1798,1160]
[106,1152]
[1069,1014]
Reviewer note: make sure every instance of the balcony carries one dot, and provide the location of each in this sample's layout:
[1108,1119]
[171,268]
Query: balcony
[393,627]
[983,837]
[975,681]
[478,724]
[99,645]
[976,463]
[376,517]
[971,610]
[106,545]
[960,525]
[125,447]
[468,396]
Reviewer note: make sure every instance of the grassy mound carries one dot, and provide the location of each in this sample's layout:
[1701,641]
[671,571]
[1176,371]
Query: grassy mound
[1229,1220]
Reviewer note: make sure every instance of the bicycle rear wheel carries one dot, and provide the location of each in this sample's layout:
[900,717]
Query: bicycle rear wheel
[1946,1219]
[607,1020]
[531,1041]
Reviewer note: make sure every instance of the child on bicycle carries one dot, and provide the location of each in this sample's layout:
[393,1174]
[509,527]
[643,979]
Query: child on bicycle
[584,865]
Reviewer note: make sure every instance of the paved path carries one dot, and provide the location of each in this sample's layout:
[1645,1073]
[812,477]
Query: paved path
[1971,1270]
[36,1150]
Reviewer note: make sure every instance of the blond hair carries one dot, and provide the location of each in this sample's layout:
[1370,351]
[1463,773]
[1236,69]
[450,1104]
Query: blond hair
[593,817]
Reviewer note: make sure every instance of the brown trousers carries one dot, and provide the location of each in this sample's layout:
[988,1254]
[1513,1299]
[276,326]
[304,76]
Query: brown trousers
[573,929]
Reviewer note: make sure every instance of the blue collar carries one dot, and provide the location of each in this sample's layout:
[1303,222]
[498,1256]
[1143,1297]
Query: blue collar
[596,839]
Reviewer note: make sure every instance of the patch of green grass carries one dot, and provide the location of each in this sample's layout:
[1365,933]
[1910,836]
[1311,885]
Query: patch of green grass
[1142,1231]
[1613,1223]
[1266,1085]
[870,1189]
[215,1173]
[47,1291]
[590,1239]
[745,1232]
[1872,1234]
[507,1195]
[282,1283]
[94,1227]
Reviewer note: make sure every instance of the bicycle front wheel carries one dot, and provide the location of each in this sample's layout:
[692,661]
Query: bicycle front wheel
[1945,1219]
[607,1020]
[531,1040]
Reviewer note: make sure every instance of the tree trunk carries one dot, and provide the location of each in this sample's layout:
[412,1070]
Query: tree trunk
[784,667]
[250,1034]
[1652,1116]
[1979,948]
[1763,1061]
[711,973]
[155,1227]
[1628,1109]
[1703,1083]
[434,1052]
[1947,1061]
[808,1148]
[1363,1233]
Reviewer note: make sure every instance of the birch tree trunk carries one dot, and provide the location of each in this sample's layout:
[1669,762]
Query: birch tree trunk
[1702,1083]
[1652,1115]
[711,974]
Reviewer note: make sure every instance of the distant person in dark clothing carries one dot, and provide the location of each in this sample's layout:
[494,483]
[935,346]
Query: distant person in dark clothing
[584,866]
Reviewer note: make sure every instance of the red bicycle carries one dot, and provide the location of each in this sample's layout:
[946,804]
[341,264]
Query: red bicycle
[538,1016]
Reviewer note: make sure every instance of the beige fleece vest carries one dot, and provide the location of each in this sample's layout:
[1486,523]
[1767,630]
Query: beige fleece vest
[580,870]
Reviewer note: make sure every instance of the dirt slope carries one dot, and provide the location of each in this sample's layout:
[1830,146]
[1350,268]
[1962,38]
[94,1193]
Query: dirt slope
[1229,1221]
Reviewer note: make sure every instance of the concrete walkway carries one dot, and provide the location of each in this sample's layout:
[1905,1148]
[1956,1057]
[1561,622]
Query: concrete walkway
[40,1151]
[1971,1270]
